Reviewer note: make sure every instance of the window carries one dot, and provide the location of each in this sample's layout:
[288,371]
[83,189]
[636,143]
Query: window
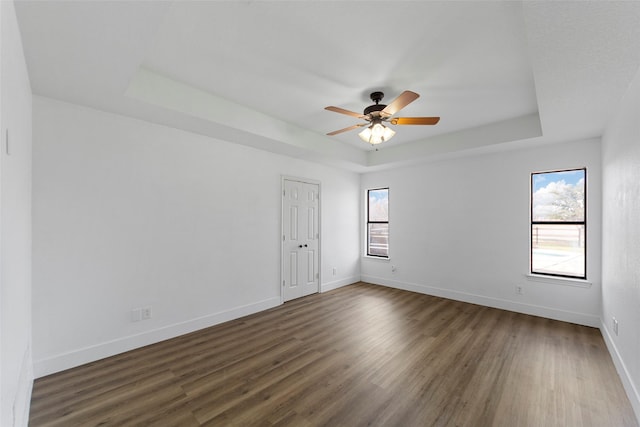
[558,223]
[378,222]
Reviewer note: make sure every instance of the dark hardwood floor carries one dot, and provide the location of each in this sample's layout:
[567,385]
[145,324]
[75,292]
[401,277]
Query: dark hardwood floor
[359,355]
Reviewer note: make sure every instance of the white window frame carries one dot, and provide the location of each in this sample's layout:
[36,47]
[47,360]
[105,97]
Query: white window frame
[532,223]
[367,222]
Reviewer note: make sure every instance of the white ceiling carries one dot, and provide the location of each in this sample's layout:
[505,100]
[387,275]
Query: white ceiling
[260,73]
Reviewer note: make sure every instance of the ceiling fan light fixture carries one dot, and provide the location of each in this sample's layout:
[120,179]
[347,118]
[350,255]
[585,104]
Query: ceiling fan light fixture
[376,134]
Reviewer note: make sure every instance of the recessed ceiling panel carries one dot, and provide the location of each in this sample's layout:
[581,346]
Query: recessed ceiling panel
[468,61]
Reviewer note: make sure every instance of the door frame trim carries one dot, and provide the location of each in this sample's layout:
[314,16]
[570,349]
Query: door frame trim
[284,178]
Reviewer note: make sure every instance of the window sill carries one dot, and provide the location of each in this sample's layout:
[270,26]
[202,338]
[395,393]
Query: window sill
[566,281]
[379,258]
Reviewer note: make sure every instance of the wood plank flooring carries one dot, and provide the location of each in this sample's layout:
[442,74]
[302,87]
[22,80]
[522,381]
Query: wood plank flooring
[362,355]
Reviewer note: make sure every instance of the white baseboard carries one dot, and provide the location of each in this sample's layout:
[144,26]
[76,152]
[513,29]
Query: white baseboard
[535,310]
[22,402]
[81,356]
[623,372]
[325,287]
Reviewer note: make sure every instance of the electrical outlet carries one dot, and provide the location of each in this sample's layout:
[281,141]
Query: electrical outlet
[615,325]
[393,268]
[519,290]
[146,312]
[335,271]
[136,315]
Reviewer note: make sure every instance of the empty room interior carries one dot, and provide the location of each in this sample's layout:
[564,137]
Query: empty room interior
[333,213]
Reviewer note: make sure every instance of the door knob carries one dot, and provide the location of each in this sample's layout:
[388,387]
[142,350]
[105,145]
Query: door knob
[300,246]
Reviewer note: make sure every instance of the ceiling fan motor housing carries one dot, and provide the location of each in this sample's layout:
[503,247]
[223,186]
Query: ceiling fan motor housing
[375,97]
[374,108]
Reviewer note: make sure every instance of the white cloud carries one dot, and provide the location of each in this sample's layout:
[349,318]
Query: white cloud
[549,201]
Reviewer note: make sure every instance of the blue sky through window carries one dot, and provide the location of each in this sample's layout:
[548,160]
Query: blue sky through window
[558,195]
[379,205]
[542,180]
[378,195]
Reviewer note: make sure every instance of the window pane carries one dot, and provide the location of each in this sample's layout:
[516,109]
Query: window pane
[558,249]
[558,196]
[379,205]
[378,240]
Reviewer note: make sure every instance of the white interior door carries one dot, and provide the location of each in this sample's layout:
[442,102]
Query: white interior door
[300,237]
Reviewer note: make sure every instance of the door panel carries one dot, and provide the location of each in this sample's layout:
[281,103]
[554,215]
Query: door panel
[293,227]
[300,239]
[311,232]
[310,266]
[293,271]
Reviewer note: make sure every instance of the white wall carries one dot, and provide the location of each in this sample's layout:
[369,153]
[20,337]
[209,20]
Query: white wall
[16,371]
[460,229]
[129,214]
[621,241]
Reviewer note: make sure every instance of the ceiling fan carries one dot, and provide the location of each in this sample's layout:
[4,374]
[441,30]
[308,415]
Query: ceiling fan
[376,114]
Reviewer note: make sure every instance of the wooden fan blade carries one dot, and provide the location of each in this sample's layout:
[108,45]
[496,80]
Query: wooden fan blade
[405,98]
[335,132]
[414,120]
[343,111]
